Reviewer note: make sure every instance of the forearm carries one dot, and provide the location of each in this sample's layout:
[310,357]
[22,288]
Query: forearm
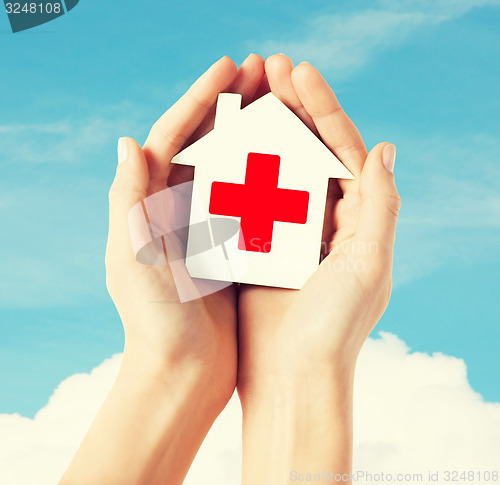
[299,427]
[147,431]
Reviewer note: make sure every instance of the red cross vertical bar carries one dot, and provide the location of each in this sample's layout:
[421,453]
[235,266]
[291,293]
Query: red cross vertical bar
[259,202]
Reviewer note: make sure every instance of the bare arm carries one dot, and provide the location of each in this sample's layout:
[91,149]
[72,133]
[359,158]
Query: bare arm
[301,427]
[180,359]
[298,349]
[149,428]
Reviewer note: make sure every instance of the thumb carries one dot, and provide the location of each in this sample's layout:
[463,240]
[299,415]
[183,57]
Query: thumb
[380,201]
[129,187]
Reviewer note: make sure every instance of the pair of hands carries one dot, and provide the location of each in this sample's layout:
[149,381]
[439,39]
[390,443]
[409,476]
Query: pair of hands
[259,338]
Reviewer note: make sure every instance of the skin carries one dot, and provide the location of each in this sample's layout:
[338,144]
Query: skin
[298,349]
[183,355]
[291,353]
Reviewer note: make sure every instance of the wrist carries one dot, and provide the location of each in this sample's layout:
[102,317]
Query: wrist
[301,421]
[297,391]
[185,379]
[289,374]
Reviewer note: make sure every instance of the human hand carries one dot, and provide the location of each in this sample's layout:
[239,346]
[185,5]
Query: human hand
[328,320]
[196,339]
[298,348]
[179,363]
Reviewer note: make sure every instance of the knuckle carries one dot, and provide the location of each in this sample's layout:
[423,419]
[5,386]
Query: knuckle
[125,188]
[328,111]
[390,202]
[202,102]
[393,204]
[355,146]
[168,135]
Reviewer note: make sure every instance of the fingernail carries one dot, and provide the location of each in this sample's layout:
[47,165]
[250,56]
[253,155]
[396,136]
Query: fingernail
[389,157]
[122,150]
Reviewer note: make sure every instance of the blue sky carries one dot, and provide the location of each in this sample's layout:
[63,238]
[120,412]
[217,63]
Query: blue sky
[421,74]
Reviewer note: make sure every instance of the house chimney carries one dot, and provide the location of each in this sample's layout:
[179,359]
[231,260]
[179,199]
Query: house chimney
[228,105]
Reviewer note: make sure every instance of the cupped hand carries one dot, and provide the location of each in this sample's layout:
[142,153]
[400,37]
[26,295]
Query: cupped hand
[322,327]
[197,339]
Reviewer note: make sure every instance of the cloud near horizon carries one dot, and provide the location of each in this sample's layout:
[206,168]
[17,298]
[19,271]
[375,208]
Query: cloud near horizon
[413,413]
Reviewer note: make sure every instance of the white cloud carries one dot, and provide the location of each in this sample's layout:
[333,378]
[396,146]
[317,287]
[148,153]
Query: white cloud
[37,450]
[344,42]
[413,412]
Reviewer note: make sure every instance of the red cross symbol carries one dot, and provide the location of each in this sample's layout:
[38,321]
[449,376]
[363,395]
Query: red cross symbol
[259,202]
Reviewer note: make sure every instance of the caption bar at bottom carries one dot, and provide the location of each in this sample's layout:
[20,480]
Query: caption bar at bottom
[364,476]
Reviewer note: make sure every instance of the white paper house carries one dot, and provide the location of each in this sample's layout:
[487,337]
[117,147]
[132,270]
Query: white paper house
[262,167]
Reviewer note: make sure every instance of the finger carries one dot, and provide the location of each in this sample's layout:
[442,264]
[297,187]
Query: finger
[129,187]
[336,129]
[279,74]
[380,201]
[248,78]
[171,131]
[246,83]
[263,88]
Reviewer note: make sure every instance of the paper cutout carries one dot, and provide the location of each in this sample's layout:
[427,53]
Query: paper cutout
[263,168]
